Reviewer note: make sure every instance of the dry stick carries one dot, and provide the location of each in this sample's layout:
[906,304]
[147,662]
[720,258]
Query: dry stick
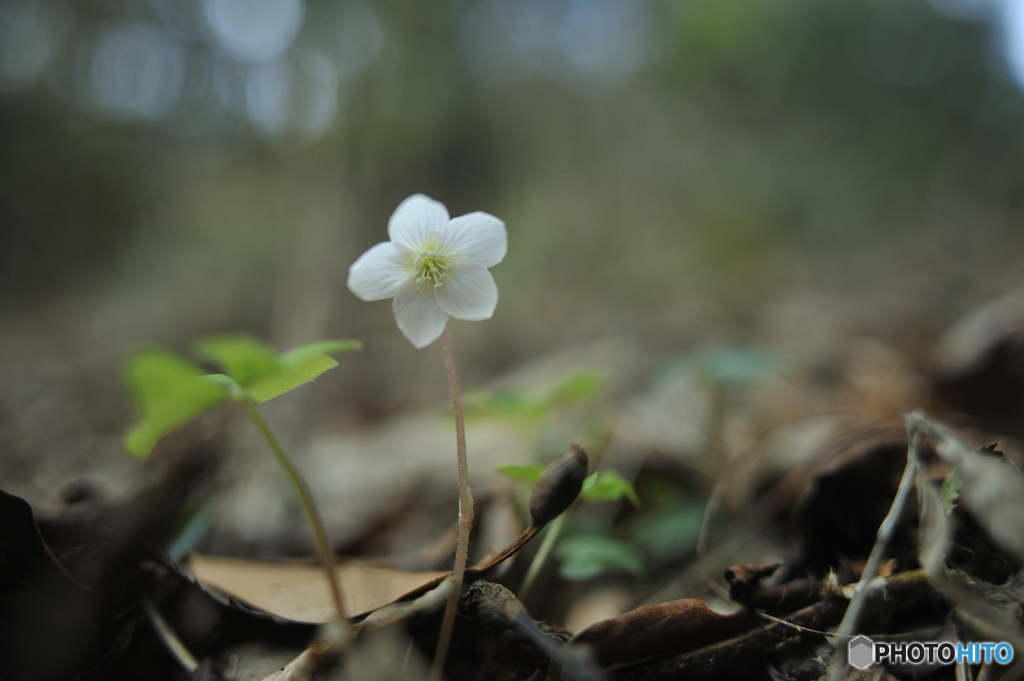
[885,532]
[306,497]
[174,646]
[882,594]
[465,515]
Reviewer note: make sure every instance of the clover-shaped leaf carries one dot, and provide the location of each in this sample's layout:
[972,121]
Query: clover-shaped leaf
[738,365]
[244,358]
[263,374]
[327,347]
[168,391]
[292,372]
[589,555]
[608,485]
[578,387]
[528,474]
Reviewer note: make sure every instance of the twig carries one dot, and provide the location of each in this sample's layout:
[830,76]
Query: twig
[885,532]
[881,595]
[170,640]
[817,616]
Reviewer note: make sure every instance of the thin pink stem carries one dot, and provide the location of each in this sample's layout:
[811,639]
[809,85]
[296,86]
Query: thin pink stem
[465,515]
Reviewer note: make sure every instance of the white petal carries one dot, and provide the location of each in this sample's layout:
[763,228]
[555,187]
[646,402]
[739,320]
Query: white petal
[476,239]
[469,294]
[416,219]
[379,272]
[418,316]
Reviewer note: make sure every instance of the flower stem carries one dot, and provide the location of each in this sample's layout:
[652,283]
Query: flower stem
[465,514]
[306,497]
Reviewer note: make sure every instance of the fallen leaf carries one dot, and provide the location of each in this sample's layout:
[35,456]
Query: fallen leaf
[299,592]
[661,629]
[838,514]
[991,489]
[977,364]
[991,617]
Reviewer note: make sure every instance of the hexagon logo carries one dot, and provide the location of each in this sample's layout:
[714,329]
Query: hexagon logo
[861,652]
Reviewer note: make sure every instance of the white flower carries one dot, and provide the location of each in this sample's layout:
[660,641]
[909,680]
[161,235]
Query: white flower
[434,267]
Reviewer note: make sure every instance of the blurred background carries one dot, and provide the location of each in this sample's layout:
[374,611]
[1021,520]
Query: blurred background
[797,198]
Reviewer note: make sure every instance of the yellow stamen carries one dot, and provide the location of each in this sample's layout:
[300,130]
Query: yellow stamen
[431,268]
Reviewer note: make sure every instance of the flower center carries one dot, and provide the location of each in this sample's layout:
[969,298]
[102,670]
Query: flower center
[431,268]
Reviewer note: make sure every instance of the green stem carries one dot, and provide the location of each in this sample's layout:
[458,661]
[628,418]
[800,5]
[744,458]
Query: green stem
[465,514]
[550,539]
[306,497]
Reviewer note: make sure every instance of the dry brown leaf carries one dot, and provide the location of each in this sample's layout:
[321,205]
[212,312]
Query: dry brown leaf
[299,592]
[989,617]
[992,489]
[661,629]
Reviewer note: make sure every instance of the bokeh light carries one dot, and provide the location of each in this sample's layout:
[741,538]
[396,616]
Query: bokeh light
[137,71]
[25,45]
[604,41]
[293,97]
[255,30]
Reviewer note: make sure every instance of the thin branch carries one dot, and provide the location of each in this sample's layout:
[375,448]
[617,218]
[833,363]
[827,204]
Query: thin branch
[174,646]
[885,531]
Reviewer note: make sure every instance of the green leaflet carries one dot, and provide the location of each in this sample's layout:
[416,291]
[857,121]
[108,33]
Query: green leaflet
[730,365]
[950,490]
[668,531]
[168,391]
[290,375]
[577,388]
[243,358]
[529,474]
[608,485]
[328,347]
[588,555]
[261,372]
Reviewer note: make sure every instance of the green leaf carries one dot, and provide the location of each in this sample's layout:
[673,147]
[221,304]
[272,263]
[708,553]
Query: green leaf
[588,555]
[608,485]
[243,358]
[577,388]
[501,404]
[669,532]
[328,347]
[223,381]
[735,365]
[292,373]
[264,375]
[168,391]
[530,474]
[950,490]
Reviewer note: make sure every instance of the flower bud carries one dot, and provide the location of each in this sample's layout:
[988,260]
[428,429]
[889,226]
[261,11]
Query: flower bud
[558,486]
